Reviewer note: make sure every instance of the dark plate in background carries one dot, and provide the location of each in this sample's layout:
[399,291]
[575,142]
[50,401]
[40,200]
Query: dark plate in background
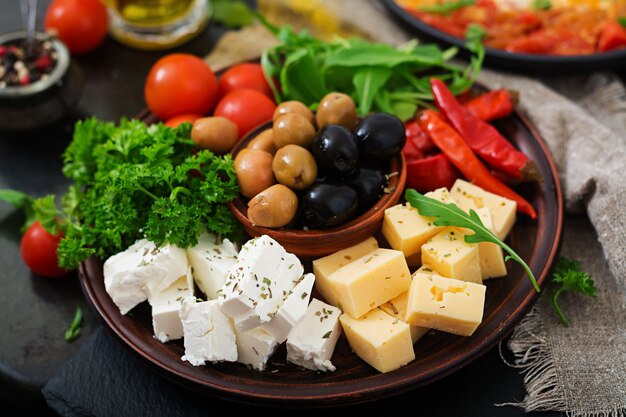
[438,354]
[513,61]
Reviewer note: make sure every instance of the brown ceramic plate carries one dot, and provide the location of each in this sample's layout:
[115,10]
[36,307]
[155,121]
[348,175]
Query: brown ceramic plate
[438,354]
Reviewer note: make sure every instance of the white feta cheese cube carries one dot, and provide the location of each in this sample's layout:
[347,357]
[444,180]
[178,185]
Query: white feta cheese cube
[211,261]
[255,347]
[167,264]
[312,341]
[166,304]
[208,333]
[125,275]
[292,310]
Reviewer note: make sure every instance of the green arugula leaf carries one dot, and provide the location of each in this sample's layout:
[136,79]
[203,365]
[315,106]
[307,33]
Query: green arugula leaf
[368,82]
[622,21]
[447,7]
[231,13]
[541,5]
[452,215]
[21,201]
[73,331]
[301,78]
[567,276]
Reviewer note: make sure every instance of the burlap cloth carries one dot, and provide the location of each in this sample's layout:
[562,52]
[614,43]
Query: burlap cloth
[580,370]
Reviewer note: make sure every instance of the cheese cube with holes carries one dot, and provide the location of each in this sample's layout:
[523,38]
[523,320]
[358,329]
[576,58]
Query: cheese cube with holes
[312,341]
[255,347]
[449,255]
[166,304]
[491,257]
[445,304]
[406,230]
[370,281]
[397,308]
[469,196]
[292,311]
[379,339]
[208,333]
[257,283]
[130,275]
[211,260]
[324,267]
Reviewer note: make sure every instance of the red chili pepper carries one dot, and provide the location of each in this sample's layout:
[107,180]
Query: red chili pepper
[462,156]
[430,173]
[492,104]
[613,36]
[418,137]
[411,152]
[483,138]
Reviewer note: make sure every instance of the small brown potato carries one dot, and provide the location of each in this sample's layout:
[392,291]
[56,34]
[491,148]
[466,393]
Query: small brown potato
[292,128]
[217,134]
[294,167]
[253,168]
[274,207]
[336,109]
[294,106]
[263,141]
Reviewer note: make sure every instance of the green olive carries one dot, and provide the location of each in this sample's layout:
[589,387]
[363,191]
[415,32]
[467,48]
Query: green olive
[263,141]
[217,134]
[294,106]
[273,207]
[336,109]
[253,168]
[294,167]
[292,128]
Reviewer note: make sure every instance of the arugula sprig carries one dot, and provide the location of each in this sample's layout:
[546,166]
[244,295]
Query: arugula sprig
[73,330]
[568,276]
[447,7]
[451,215]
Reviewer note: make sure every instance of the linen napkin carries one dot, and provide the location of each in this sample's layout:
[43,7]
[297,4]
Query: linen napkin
[580,370]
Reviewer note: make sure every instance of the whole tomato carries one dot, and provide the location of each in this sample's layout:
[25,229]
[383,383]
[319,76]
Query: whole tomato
[183,118]
[246,75]
[39,251]
[246,108]
[180,84]
[80,24]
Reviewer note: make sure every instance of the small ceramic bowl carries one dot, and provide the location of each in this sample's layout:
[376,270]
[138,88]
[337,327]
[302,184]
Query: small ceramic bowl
[310,244]
[44,101]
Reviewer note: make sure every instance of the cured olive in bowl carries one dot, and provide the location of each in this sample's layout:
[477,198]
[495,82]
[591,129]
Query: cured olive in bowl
[320,201]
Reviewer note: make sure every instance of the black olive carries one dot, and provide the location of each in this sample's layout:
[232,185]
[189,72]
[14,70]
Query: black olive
[380,136]
[326,205]
[336,151]
[369,183]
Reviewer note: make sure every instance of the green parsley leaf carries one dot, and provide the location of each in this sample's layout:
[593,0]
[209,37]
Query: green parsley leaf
[73,331]
[451,215]
[21,201]
[541,5]
[47,213]
[231,13]
[447,7]
[567,276]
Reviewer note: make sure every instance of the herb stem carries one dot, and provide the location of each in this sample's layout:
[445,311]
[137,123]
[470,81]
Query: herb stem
[558,309]
[142,189]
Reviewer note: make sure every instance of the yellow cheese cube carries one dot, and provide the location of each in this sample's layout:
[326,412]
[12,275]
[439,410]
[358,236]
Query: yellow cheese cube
[449,255]
[324,267]
[426,269]
[397,308]
[469,196]
[379,339]
[446,304]
[370,281]
[491,259]
[406,230]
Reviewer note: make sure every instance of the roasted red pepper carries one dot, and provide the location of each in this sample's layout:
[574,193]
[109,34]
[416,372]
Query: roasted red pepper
[411,152]
[461,155]
[430,173]
[492,104]
[418,138]
[483,138]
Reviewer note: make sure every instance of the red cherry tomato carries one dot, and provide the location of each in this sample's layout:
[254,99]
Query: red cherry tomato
[80,24]
[39,251]
[246,108]
[180,84]
[246,75]
[177,120]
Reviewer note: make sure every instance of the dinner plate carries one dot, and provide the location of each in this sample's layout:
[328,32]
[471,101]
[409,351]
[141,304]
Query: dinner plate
[437,354]
[515,61]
